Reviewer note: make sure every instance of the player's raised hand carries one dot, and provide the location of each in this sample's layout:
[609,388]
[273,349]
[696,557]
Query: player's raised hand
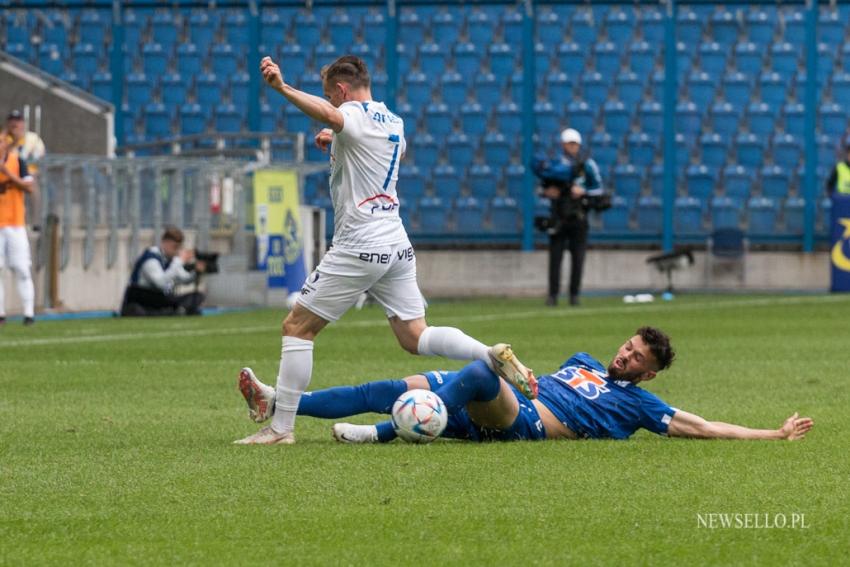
[796,427]
[324,139]
[271,73]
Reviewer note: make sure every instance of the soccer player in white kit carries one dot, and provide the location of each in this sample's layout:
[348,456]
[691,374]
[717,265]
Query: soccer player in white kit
[370,250]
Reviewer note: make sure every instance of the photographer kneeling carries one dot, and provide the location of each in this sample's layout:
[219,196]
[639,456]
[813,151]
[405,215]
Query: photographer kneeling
[574,186]
[155,275]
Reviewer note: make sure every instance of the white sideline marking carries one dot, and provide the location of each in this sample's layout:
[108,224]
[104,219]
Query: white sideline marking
[531,314]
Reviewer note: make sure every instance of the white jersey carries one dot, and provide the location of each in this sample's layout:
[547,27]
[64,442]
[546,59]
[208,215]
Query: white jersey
[365,157]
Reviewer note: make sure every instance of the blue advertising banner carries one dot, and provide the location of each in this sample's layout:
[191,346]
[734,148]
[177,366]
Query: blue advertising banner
[839,254]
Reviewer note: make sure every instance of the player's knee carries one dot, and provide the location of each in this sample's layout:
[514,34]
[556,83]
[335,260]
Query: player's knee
[479,371]
[408,344]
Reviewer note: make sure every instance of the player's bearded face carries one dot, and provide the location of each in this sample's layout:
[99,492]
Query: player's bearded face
[632,361]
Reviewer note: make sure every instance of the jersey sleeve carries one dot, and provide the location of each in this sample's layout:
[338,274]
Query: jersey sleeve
[353,116]
[655,415]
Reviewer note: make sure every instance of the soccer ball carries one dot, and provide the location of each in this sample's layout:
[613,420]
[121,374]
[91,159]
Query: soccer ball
[419,416]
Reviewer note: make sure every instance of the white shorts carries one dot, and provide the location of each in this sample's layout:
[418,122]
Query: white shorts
[15,248]
[388,273]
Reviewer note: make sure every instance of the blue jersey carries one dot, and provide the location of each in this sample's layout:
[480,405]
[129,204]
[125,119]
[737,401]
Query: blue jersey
[594,406]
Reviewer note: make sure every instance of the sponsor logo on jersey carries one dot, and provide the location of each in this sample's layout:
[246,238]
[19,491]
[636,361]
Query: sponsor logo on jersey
[588,383]
[380,202]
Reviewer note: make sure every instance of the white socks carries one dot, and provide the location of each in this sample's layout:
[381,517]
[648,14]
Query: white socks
[296,368]
[26,291]
[452,343]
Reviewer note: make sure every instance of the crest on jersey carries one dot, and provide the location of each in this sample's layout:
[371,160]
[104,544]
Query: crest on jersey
[589,383]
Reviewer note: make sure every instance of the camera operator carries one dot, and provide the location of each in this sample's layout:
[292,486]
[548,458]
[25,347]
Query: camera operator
[574,186]
[156,273]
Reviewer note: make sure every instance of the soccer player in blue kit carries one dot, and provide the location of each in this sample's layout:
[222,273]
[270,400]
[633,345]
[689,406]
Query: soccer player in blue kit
[583,399]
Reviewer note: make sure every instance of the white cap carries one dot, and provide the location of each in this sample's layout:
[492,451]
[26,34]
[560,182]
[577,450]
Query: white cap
[570,135]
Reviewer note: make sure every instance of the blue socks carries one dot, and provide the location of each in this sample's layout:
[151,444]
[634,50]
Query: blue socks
[474,383]
[343,401]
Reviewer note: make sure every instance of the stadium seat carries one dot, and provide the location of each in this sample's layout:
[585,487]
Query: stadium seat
[737,88]
[188,60]
[201,31]
[604,149]
[341,29]
[433,215]
[512,26]
[227,118]
[619,27]
[502,60]
[369,56]
[508,119]
[432,58]
[154,60]
[224,60]
[748,58]
[469,216]
[306,28]
[374,27]
[438,119]
[831,27]
[725,213]
[651,118]
[724,27]
[447,181]
[616,219]
[548,120]
[761,118]
[794,113]
[580,116]
[192,119]
[268,119]
[496,149]
[411,185]
[164,28]
[582,28]
[460,150]
[479,27]
[700,181]
[235,28]
[641,58]
[467,58]
[426,151]
[92,28]
[550,30]
[418,88]
[762,216]
[759,27]
[157,121]
[239,91]
[85,59]
[775,181]
[651,22]
[273,28]
[737,182]
[749,150]
[487,88]
[514,179]
[656,179]
[845,57]
[833,118]
[504,215]
[714,149]
[208,89]
[445,28]
[841,86]
[827,147]
[296,121]
[649,213]
[101,85]
[311,82]
[627,181]
[473,119]
[325,54]
[133,24]
[559,89]
[787,150]
[784,58]
[687,215]
[725,119]
[616,118]
[593,88]
[795,27]
[50,60]
[481,180]
[688,27]
[607,58]
[641,149]
[701,89]
[174,90]
[54,30]
[629,88]
[688,118]
[773,88]
[139,90]
[794,214]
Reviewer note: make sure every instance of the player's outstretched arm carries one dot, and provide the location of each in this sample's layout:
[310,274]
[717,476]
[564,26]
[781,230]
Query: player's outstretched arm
[686,424]
[313,106]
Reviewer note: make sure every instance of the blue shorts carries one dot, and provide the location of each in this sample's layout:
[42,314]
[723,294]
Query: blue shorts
[526,427]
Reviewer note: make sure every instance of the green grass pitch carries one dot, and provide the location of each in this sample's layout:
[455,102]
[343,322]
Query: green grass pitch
[115,446]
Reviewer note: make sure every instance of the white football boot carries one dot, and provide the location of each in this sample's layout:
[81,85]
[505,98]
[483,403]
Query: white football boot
[259,396]
[350,433]
[508,366]
[267,436]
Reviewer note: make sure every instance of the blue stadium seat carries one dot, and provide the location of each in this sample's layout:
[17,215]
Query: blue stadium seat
[192,119]
[227,118]
[629,88]
[294,58]
[656,179]
[841,85]
[701,88]
[794,113]
[481,180]
[512,26]
[593,88]
[502,60]
[737,88]
[651,21]
[725,213]
[208,89]
[826,61]
[794,214]
[559,89]
[479,27]
[759,27]
[604,149]
[157,121]
[453,88]
[641,58]
[496,149]
[22,51]
[824,215]
[325,54]
[775,181]
[649,214]
[369,56]
[433,215]
[236,28]
[582,28]
[432,58]
[724,27]
[827,147]
[737,182]
[616,118]
[239,91]
[833,118]
[460,150]
[570,57]
[787,150]
[845,57]
[683,149]
[651,118]
[473,119]
[374,27]
[341,29]
[224,59]
[620,27]
[50,59]
[504,215]
[54,30]
[139,90]
[508,118]
[548,120]
[725,119]
[607,58]
[188,60]
[774,89]
[85,59]
[761,118]
[133,24]
[749,150]
[795,27]
[687,215]
[748,58]
[488,89]
[174,90]
[201,31]
[418,88]
[426,151]
[438,119]
[627,181]
[445,28]
[688,118]
[514,176]
[688,27]
[467,59]
[101,85]
[469,216]
[306,28]
[268,119]
[700,180]
[273,28]
[154,60]
[784,58]
[616,219]
[295,120]
[763,214]
[93,27]
[714,149]
[411,185]
[446,181]
[831,27]
[164,28]
[550,30]
[712,58]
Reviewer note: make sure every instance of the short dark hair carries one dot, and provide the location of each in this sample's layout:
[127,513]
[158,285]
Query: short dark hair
[347,69]
[173,234]
[659,344]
